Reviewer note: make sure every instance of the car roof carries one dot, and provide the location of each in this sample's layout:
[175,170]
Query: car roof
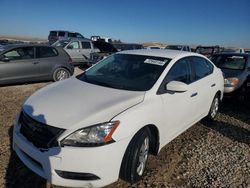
[63,31]
[171,54]
[11,46]
[76,39]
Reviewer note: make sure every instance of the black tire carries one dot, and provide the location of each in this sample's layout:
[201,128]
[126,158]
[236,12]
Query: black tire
[60,74]
[132,168]
[214,108]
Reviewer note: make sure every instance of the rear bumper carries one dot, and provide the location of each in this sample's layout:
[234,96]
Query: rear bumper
[102,162]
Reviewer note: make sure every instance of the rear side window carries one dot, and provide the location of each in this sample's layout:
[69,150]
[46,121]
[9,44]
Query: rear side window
[86,45]
[61,34]
[20,53]
[201,67]
[43,52]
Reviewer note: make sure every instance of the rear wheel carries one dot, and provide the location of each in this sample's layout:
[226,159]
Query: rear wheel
[214,108]
[135,158]
[60,74]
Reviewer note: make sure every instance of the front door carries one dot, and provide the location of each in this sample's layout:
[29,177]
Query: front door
[18,64]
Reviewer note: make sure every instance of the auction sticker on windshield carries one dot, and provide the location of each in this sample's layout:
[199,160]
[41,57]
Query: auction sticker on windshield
[155,62]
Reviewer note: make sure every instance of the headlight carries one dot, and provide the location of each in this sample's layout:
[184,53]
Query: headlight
[231,82]
[95,135]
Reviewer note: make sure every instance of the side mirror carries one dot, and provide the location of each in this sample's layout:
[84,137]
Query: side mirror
[5,59]
[176,86]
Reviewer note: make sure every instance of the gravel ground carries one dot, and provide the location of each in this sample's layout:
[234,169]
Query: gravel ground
[209,154]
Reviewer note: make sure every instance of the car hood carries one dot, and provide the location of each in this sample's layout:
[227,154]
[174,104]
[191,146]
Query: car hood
[71,103]
[228,73]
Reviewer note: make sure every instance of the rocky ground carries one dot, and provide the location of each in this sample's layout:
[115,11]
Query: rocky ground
[209,154]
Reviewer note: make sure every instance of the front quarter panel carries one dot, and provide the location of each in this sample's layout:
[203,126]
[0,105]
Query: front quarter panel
[149,112]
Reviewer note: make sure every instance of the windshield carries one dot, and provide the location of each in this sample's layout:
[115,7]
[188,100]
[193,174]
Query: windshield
[61,43]
[230,61]
[125,71]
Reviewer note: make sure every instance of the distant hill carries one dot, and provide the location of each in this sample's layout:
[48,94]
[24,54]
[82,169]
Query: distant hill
[23,38]
[145,44]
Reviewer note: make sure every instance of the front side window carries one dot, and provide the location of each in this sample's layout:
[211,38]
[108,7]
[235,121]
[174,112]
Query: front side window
[126,71]
[201,67]
[86,45]
[20,53]
[42,52]
[74,45]
[78,35]
[179,72]
[234,62]
[72,35]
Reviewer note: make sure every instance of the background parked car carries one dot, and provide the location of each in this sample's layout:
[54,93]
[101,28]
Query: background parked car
[178,47]
[236,69]
[234,50]
[78,49]
[105,48]
[26,63]
[62,35]
[152,47]
[127,46]
[207,51]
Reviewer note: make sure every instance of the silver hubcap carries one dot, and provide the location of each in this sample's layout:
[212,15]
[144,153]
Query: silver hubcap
[61,74]
[215,107]
[143,155]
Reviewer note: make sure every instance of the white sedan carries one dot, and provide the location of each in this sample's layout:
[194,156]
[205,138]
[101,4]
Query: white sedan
[89,130]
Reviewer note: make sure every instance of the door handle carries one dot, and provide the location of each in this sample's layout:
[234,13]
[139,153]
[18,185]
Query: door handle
[194,94]
[213,85]
[35,63]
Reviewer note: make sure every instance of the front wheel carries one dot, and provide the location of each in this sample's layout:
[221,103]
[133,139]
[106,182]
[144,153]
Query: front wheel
[135,158]
[60,74]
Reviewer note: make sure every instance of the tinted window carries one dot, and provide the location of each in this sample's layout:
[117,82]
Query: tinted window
[72,35]
[78,35]
[43,52]
[73,45]
[179,72]
[125,71]
[86,45]
[201,67]
[235,62]
[53,33]
[20,53]
[61,34]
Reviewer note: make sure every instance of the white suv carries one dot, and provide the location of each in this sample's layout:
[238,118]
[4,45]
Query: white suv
[92,129]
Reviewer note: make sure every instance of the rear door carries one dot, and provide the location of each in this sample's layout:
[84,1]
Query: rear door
[203,81]
[86,49]
[46,58]
[20,66]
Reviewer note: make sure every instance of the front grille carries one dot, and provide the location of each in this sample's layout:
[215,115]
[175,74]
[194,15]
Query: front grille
[40,135]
